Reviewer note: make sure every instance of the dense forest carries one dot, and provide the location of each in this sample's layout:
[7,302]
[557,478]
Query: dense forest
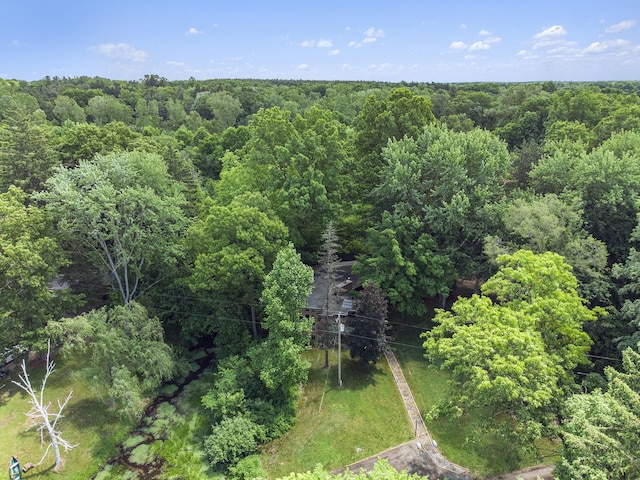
[143,218]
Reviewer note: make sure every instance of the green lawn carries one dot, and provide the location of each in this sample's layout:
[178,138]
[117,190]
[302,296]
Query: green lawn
[338,426]
[86,423]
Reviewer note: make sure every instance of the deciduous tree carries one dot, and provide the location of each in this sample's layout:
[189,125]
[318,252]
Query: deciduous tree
[512,350]
[401,114]
[406,263]
[549,223]
[278,358]
[30,258]
[129,357]
[233,248]
[124,212]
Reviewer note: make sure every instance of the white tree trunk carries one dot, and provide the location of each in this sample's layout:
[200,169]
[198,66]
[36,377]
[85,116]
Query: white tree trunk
[39,412]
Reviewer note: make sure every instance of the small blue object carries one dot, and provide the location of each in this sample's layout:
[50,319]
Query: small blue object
[15,473]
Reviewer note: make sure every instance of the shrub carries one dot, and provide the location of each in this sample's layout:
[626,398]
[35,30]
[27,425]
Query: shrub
[248,468]
[232,439]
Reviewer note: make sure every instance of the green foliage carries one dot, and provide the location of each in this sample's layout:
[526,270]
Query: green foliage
[278,359]
[124,212]
[602,429]
[30,257]
[67,109]
[367,330]
[232,439]
[182,450]
[628,276]
[444,182]
[82,141]
[104,109]
[296,165]
[381,471]
[514,357]
[406,262]
[549,223]
[129,358]
[227,396]
[606,180]
[27,157]
[233,247]
[247,468]
[401,114]
[286,289]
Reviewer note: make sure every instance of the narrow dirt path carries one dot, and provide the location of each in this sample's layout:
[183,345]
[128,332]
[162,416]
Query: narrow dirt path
[419,427]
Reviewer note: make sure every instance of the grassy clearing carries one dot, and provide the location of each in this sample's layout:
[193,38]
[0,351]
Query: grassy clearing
[86,423]
[338,426]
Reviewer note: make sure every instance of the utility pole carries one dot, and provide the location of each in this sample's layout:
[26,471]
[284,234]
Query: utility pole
[339,350]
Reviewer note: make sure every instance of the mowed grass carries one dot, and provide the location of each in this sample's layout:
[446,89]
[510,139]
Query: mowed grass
[86,423]
[338,426]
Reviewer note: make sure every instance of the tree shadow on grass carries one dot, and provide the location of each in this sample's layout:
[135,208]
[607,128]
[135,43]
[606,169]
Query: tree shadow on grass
[357,375]
[39,472]
[89,415]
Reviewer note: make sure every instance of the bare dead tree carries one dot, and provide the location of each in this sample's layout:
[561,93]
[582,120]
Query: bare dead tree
[45,420]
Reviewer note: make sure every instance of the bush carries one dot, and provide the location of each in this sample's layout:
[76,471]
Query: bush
[248,468]
[232,439]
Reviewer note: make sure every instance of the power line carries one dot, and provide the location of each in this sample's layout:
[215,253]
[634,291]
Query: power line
[331,312]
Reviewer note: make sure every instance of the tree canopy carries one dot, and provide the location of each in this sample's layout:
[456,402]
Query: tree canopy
[512,349]
[124,212]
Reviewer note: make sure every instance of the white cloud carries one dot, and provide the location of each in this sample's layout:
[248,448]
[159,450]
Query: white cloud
[302,66]
[492,40]
[599,47]
[120,50]
[479,46]
[522,53]
[484,33]
[549,43]
[371,35]
[458,46]
[333,53]
[194,31]
[374,32]
[176,64]
[623,25]
[551,32]
[322,43]
[463,26]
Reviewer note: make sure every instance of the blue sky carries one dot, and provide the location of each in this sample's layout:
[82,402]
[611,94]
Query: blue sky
[425,41]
